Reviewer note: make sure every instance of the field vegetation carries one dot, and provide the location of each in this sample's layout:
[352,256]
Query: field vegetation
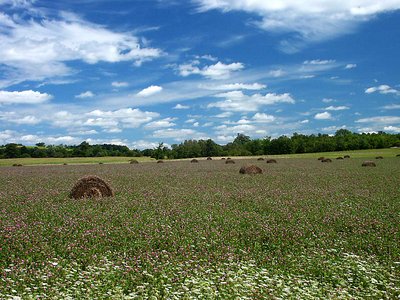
[300,230]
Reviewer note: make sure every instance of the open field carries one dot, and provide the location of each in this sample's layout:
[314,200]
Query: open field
[71,160]
[302,230]
[118,159]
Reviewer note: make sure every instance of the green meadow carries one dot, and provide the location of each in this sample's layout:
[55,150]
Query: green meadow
[179,230]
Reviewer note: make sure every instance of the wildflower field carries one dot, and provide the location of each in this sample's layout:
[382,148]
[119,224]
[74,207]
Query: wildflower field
[301,230]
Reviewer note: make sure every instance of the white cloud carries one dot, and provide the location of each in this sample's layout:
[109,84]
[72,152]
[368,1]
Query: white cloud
[226,114]
[126,117]
[178,134]
[149,91]
[235,86]
[238,101]
[263,118]
[143,144]
[119,84]
[323,116]
[23,97]
[304,121]
[312,20]
[180,106]
[164,123]
[190,121]
[13,117]
[217,71]
[391,106]
[333,128]
[392,128]
[319,62]
[337,108]
[328,100]
[276,73]
[350,66]
[380,120]
[39,48]
[382,89]
[87,94]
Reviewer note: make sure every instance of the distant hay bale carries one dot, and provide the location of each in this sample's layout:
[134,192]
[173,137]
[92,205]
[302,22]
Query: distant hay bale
[368,163]
[91,187]
[17,165]
[379,157]
[229,161]
[209,158]
[133,162]
[398,155]
[223,158]
[271,161]
[346,156]
[100,163]
[339,157]
[321,158]
[326,160]
[260,159]
[229,158]
[160,161]
[250,170]
[194,161]
[65,164]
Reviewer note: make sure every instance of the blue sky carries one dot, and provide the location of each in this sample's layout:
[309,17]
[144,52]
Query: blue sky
[141,72]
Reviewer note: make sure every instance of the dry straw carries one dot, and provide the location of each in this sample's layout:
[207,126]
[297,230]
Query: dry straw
[91,187]
[250,170]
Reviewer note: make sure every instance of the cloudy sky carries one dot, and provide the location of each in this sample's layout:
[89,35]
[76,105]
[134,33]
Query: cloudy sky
[140,72]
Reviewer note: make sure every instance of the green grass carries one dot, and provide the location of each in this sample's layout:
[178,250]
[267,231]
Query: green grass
[71,160]
[301,230]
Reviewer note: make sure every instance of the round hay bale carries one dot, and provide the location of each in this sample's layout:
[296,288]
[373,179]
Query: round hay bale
[91,187]
[368,163]
[321,158]
[379,157]
[209,158]
[133,162]
[271,161]
[65,164]
[326,160]
[250,170]
[229,158]
[260,159]
[229,161]
[346,156]
[17,165]
[223,158]
[100,163]
[398,155]
[160,161]
[339,157]
[194,161]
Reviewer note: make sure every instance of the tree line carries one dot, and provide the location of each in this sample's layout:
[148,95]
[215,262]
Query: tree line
[242,145]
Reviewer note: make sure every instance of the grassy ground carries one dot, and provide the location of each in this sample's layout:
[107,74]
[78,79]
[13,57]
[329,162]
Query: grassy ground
[70,160]
[115,160]
[301,230]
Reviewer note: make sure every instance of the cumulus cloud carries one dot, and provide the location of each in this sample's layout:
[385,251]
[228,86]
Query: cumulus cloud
[13,117]
[240,102]
[119,84]
[180,106]
[323,116]
[391,106]
[87,94]
[380,120]
[311,20]
[39,48]
[337,108]
[382,89]
[23,97]
[149,91]
[164,123]
[127,117]
[263,118]
[392,128]
[178,134]
[350,66]
[216,71]
[235,86]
